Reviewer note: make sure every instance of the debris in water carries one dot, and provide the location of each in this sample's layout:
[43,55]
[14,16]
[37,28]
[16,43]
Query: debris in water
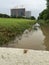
[26,31]
[36,25]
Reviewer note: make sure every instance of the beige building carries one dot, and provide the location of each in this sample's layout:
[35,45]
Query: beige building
[28,14]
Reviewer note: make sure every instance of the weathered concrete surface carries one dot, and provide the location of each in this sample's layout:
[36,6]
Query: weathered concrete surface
[11,56]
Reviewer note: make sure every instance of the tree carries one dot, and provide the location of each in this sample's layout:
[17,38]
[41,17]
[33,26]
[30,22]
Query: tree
[47,9]
[32,17]
[47,4]
[43,15]
[4,15]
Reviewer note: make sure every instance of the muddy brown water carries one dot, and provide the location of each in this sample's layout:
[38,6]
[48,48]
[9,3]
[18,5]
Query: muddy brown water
[33,39]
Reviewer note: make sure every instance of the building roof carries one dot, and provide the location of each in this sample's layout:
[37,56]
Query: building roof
[18,8]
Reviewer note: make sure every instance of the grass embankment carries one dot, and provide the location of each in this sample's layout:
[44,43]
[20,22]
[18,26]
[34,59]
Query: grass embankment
[10,27]
[43,22]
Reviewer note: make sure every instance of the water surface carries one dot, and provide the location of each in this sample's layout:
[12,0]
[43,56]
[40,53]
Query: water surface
[32,39]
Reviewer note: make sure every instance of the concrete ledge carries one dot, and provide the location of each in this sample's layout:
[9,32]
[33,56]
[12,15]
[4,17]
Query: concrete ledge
[13,56]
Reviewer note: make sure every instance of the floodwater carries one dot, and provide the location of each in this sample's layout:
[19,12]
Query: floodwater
[36,39]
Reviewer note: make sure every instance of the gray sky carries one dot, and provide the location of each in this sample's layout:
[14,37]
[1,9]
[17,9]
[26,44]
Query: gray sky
[35,6]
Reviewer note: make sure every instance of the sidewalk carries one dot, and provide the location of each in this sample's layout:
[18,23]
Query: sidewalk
[14,56]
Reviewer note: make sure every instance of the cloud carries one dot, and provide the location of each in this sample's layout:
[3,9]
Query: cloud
[36,6]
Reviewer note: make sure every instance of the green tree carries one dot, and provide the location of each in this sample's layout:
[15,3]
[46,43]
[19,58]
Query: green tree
[47,4]
[43,15]
[47,9]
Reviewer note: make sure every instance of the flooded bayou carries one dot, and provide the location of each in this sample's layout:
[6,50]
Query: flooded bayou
[36,39]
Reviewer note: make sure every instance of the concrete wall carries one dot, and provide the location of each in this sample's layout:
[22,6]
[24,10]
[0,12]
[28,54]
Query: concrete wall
[14,56]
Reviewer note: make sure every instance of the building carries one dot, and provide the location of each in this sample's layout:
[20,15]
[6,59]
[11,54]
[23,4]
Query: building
[18,12]
[28,14]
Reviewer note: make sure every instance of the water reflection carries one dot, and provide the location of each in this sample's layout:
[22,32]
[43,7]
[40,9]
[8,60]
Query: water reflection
[33,39]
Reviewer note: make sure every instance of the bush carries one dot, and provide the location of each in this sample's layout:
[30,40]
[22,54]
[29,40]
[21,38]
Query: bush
[47,21]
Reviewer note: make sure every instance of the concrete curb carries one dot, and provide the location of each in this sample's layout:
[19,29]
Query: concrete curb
[15,56]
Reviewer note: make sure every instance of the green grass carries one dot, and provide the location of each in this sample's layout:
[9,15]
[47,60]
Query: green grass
[11,27]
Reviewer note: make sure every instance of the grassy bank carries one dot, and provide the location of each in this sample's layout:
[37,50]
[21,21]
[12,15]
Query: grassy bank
[43,22]
[10,27]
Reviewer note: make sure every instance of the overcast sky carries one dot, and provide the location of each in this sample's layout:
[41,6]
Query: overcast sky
[35,6]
